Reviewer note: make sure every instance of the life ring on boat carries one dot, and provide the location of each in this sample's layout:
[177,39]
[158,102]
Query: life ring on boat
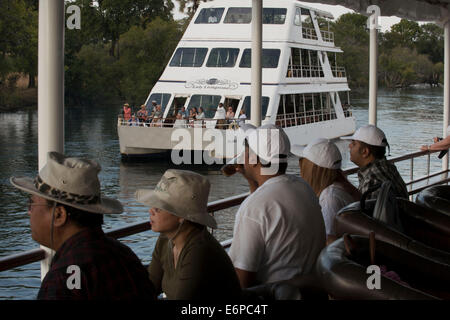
[342,268]
[435,197]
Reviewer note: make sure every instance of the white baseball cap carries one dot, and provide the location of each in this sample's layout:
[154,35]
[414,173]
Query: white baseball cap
[369,134]
[267,141]
[321,152]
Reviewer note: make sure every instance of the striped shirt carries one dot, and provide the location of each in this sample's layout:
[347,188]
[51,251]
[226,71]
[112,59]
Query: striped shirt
[377,172]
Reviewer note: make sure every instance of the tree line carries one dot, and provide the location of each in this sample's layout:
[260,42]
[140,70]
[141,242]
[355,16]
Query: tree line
[123,47]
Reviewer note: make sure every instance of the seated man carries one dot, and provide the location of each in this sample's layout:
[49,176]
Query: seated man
[66,213]
[279,229]
[367,151]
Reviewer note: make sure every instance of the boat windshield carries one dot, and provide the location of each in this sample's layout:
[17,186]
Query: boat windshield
[207,102]
[209,15]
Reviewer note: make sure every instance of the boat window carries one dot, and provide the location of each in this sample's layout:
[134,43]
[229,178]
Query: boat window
[238,15]
[270,58]
[298,17]
[222,57]
[274,15]
[244,15]
[207,102]
[246,105]
[308,31]
[189,57]
[209,15]
[160,98]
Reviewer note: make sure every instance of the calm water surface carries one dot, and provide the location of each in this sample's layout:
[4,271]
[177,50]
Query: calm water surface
[409,118]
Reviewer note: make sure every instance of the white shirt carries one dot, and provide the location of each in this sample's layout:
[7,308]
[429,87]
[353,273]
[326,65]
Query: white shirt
[220,113]
[279,230]
[332,199]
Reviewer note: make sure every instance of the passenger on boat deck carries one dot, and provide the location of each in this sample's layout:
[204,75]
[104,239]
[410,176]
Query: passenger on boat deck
[183,112]
[66,211]
[179,122]
[194,111]
[201,113]
[230,113]
[320,166]
[152,107]
[439,143]
[126,112]
[133,121]
[367,151]
[242,116]
[187,262]
[220,112]
[142,114]
[279,229]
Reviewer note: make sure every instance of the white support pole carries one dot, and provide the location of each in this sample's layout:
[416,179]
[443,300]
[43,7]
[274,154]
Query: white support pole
[372,24]
[50,87]
[256,90]
[373,86]
[446,120]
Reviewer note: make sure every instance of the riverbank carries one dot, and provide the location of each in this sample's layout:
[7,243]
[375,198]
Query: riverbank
[18,99]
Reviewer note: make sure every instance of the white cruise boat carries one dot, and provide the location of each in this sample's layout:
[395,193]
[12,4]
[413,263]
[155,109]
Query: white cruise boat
[304,90]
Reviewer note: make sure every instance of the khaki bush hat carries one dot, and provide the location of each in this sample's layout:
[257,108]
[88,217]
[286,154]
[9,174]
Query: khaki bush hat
[70,181]
[182,193]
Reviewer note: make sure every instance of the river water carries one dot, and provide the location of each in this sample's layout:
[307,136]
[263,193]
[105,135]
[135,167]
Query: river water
[409,118]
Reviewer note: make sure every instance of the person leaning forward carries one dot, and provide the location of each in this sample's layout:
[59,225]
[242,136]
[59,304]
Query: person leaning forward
[66,212]
[279,230]
[187,262]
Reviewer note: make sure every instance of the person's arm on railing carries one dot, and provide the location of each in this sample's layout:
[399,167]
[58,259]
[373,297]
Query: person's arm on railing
[439,144]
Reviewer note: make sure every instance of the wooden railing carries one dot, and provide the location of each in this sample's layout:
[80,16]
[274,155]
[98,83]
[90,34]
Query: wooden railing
[35,255]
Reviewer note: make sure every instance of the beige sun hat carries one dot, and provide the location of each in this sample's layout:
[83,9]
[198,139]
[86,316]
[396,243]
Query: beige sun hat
[183,193]
[70,181]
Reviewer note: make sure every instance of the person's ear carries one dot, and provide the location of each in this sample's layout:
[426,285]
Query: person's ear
[60,216]
[365,152]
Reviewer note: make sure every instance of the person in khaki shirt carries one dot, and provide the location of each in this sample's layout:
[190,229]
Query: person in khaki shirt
[188,263]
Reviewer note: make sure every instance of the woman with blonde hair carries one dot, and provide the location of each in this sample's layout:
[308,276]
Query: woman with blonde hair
[320,166]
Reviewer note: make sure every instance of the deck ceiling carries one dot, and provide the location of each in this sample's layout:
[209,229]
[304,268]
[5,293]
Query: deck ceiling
[418,10]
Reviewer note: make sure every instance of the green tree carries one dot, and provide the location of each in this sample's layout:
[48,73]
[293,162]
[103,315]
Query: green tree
[351,36]
[431,42]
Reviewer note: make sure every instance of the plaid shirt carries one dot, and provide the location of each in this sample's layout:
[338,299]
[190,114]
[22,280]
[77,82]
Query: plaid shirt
[109,270]
[377,172]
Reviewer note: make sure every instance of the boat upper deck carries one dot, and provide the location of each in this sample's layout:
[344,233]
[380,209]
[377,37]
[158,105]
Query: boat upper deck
[283,20]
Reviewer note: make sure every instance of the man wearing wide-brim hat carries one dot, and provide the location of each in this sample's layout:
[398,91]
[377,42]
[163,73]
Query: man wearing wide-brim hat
[66,211]
[187,262]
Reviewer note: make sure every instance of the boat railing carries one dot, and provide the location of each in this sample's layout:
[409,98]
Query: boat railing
[327,36]
[304,71]
[183,123]
[414,185]
[300,118]
[338,72]
[309,33]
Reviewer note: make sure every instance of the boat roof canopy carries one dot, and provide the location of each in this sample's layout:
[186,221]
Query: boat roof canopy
[417,10]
